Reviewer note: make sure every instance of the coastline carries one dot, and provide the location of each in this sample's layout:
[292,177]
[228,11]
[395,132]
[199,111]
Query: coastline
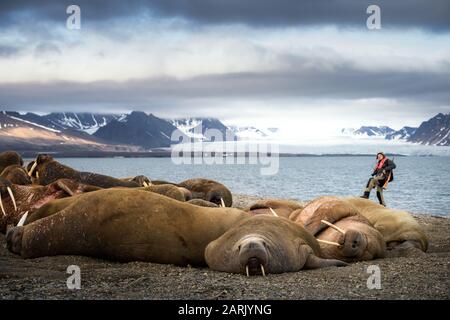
[413,275]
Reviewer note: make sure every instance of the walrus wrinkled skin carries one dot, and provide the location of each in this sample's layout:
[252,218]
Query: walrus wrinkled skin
[399,228]
[9,158]
[265,244]
[208,190]
[282,208]
[124,225]
[202,203]
[358,240]
[16,174]
[167,190]
[30,198]
[48,170]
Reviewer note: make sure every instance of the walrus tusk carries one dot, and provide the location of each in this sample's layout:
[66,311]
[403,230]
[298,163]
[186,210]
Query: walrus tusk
[222,202]
[1,205]
[145,184]
[37,174]
[329,242]
[263,271]
[11,195]
[333,226]
[30,173]
[246,271]
[273,212]
[22,219]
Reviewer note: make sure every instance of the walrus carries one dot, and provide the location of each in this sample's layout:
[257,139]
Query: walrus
[8,158]
[399,228]
[167,190]
[48,170]
[265,244]
[16,174]
[141,180]
[282,208]
[202,203]
[124,225]
[208,190]
[343,233]
[17,200]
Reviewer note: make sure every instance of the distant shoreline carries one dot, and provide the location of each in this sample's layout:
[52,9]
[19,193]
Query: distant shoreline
[168,154]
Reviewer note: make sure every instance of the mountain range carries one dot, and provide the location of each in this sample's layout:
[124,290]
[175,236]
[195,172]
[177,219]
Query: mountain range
[435,131]
[141,132]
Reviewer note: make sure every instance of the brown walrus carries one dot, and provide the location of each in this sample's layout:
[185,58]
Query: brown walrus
[124,225]
[16,200]
[16,174]
[343,233]
[8,158]
[281,208]
[202,203]
[167,190]
[208,190]
[265,244]
[48,170]
[399,228]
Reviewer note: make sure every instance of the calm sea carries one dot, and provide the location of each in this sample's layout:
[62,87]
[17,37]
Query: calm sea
[421,183]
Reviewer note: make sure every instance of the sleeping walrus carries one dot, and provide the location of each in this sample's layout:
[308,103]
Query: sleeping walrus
[123,225]
[281,208]
[265,244]
[47,170]
[208,190]
[16,174]
[399,228]
[343,233]
[8,158]
[16,200]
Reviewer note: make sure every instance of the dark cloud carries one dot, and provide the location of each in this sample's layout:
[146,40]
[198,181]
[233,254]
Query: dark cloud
[431,15]
[6,51]
[422,88]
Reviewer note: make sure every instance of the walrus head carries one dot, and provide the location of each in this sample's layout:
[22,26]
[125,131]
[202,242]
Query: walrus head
[16,174]
[260,245]
[6,192]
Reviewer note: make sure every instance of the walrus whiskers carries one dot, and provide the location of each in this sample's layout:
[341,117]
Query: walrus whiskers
[30,173]
[11,194]
[263,271]
[22,219]
[246,271]
[1,206]
[333,226]
[273,212]
[329,242]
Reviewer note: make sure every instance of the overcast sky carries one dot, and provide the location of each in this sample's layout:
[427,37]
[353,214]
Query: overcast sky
[303,64]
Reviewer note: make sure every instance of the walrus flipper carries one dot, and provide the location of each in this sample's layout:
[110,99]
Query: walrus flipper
[314,262]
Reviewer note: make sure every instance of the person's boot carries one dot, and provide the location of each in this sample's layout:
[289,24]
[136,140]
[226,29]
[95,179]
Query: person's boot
[380,199]
[365,195]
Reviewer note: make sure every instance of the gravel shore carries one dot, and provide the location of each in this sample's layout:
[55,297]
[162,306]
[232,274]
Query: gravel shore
[409,275]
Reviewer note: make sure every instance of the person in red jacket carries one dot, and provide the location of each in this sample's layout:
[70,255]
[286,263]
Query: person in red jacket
[381,176]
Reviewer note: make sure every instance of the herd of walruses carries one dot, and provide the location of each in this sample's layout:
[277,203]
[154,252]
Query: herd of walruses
[51,209]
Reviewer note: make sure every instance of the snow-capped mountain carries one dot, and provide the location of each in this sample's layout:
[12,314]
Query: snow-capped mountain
[138,129]
[87,122]
[204,129]
[372,131]
[404,133]
[435,131]
[20,132]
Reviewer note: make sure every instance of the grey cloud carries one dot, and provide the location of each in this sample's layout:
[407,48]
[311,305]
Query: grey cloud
[7,51]
[424,88]
[431,15]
